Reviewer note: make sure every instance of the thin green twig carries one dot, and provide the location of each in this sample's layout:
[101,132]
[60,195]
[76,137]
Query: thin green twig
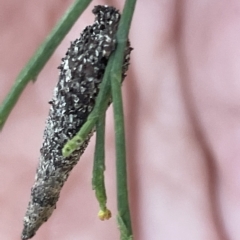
[99,163]
[124,218]
[42,55]
[99,168]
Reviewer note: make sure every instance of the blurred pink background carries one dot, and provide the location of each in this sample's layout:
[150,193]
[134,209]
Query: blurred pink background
[182,107]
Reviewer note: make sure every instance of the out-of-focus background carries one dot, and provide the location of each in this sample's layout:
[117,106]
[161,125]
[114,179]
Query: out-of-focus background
[182,108]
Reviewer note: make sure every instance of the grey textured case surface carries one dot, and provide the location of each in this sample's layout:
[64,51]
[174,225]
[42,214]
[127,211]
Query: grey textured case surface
[81,72]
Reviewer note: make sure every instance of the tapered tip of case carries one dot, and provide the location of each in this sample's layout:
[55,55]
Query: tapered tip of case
[27,233]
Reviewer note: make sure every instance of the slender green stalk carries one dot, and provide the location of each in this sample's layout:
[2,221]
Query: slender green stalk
[121,165]
[124,218]
[99,163]
[39,59]
[99,168]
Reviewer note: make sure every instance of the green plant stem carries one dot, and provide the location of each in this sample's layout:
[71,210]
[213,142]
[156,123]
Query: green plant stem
[124,218]
[42,55]
[99,163]
[121,165]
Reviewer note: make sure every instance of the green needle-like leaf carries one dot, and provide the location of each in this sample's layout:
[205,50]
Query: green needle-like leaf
[116,79]
[99,168]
